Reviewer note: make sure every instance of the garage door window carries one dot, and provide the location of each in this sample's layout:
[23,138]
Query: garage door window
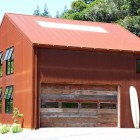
[108,106]
[49,105]
[89,105]
[69,105]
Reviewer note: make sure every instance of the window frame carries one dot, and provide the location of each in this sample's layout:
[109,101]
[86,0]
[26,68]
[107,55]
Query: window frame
[0,70]
[9,53]
[89,105]
[70,105]
[9,57]
[108,105]
[0,93]
[137,69]
[1,54]
[8,96]
[0,100]
[50,105]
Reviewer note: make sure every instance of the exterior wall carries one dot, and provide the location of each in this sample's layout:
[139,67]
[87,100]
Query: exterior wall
[23,72]
[67,66]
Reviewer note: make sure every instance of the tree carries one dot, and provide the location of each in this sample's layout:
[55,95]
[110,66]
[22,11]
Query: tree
[46,11]
[131,23]
[107,11]
[65,11]
[134,7]
[78,5]
[132,20]
[57,14]
[88,1]
[124,12]
[77,10]
[37,11]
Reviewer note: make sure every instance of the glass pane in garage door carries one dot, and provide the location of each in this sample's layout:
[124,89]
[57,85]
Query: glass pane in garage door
[49,105]
[69,105]
[88,105]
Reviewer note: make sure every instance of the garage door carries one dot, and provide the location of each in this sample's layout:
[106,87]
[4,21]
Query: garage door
[78,106]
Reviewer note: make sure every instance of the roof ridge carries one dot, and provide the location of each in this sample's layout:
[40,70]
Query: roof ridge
[82,21]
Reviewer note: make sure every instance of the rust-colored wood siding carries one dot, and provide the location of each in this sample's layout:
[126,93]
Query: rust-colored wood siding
[68,66]
[22,79]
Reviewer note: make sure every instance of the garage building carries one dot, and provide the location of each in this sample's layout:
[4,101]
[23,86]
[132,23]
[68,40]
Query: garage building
[64,73]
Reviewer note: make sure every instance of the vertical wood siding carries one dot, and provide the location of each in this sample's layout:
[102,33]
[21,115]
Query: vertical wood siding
[23,72]
[68,66]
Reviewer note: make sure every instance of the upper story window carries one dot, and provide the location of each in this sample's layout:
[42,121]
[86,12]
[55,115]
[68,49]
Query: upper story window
[138,66]
[9,57]
[1,64]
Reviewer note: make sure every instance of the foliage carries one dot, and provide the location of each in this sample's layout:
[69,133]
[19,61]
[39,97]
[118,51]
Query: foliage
[16,128]
[104,12]
[57,14]
[123,12]
[5,128]
[37,11]
[45,12]
[78,6]
[77,11]
[107,11]
[64,11]
[74,15]
[88,1]
[132,24]
[134,7]
[16,115]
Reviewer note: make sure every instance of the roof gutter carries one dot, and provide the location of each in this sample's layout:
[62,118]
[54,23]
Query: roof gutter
[75,48]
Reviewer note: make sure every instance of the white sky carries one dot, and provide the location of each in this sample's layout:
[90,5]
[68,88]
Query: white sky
[28,6]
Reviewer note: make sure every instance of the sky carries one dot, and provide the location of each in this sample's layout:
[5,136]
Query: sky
[28,6]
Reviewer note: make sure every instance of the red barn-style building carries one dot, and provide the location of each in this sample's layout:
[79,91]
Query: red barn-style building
[64,73]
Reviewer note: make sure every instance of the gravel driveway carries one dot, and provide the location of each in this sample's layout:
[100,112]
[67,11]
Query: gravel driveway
[74,134]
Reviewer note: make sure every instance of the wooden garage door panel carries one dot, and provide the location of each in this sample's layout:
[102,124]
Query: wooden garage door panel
[96,119]
[79,98]
[79,111]
[101,96]
[78,89]
[77,124]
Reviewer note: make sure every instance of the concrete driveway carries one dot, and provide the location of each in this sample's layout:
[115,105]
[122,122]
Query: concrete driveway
[74,134]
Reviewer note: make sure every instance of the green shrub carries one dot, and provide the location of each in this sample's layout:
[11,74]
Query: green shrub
[16,115]
[5,128]
[16,128]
